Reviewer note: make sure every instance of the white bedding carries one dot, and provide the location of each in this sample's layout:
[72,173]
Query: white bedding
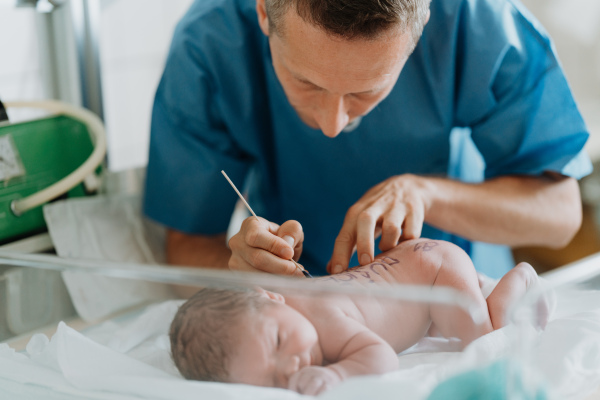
[128,358]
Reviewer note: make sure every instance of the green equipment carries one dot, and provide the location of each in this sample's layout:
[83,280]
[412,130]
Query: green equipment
[45,159]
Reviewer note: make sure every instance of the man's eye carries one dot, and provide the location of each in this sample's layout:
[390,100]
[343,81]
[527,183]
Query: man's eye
[364,96]
[309,86]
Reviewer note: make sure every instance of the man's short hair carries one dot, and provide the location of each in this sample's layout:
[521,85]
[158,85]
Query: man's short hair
[205,329]
[354,19]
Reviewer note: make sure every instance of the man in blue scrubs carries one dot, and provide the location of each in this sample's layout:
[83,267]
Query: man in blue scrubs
[337,118]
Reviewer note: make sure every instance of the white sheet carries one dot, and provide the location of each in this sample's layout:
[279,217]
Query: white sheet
[129,358]
[106,228]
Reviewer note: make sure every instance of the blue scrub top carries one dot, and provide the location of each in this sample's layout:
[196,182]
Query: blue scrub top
[486,65]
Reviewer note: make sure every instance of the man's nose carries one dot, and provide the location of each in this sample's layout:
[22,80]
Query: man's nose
[333,116]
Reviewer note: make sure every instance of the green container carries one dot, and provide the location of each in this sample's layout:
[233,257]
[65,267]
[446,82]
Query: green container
[34,155]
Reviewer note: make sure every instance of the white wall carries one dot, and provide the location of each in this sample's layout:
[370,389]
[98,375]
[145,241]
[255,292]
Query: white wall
[134,40]
[21,69]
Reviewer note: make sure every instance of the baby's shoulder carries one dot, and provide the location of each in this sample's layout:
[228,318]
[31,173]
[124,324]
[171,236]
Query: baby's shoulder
[320,308]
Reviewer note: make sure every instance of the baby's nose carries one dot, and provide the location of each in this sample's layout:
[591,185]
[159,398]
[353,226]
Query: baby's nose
[292,365]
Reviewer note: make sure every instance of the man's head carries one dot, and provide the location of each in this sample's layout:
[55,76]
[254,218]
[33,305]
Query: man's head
[337,59]
[353,19]
[249,337]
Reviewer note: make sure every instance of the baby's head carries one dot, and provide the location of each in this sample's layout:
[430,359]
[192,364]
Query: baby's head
[247,336]
[205,329]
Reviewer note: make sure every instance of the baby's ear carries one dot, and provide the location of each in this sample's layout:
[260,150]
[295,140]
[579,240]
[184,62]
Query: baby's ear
[271,295]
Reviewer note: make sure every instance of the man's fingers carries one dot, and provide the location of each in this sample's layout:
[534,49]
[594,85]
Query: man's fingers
[256,236]
[395,207]
[260,221]
[365,240]
[264,261]
[240,265]
[413,224]
[257,247]
[291,232]
[342,250]
[391,229]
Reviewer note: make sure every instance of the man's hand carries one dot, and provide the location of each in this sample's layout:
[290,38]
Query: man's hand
[313,380]
[394,209]
[264,246]
[513,210]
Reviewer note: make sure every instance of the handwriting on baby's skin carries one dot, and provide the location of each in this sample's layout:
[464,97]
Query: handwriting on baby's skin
[364,272]
[425,246]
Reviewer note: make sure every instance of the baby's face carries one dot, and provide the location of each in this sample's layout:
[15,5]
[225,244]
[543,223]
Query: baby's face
[273,345]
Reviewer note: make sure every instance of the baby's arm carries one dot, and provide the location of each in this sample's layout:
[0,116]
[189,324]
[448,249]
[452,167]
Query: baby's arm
[358,351]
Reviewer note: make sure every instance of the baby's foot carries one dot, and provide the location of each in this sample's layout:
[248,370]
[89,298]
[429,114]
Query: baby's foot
[547,299]
[511,289]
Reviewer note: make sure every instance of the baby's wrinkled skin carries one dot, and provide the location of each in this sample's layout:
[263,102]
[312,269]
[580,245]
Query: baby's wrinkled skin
[310,344]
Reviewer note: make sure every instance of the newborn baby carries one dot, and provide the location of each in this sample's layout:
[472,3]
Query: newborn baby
[310,344]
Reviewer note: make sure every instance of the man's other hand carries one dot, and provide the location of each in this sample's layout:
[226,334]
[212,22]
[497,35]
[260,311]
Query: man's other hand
[394,209]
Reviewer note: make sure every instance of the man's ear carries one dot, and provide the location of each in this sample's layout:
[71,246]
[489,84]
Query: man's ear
[263,18]
[271,295]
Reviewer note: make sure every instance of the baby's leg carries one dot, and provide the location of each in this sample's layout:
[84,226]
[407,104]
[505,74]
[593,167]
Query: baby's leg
[457,272]
[511,288]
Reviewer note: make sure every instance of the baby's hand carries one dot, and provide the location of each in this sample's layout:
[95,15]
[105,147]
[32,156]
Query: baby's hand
[313,380]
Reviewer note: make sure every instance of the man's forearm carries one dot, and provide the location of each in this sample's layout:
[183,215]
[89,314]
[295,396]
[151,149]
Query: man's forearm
[511,210]
[196,251]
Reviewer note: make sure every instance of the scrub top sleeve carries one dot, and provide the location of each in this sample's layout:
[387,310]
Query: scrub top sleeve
[535,131]
[189,146]
[523,117]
